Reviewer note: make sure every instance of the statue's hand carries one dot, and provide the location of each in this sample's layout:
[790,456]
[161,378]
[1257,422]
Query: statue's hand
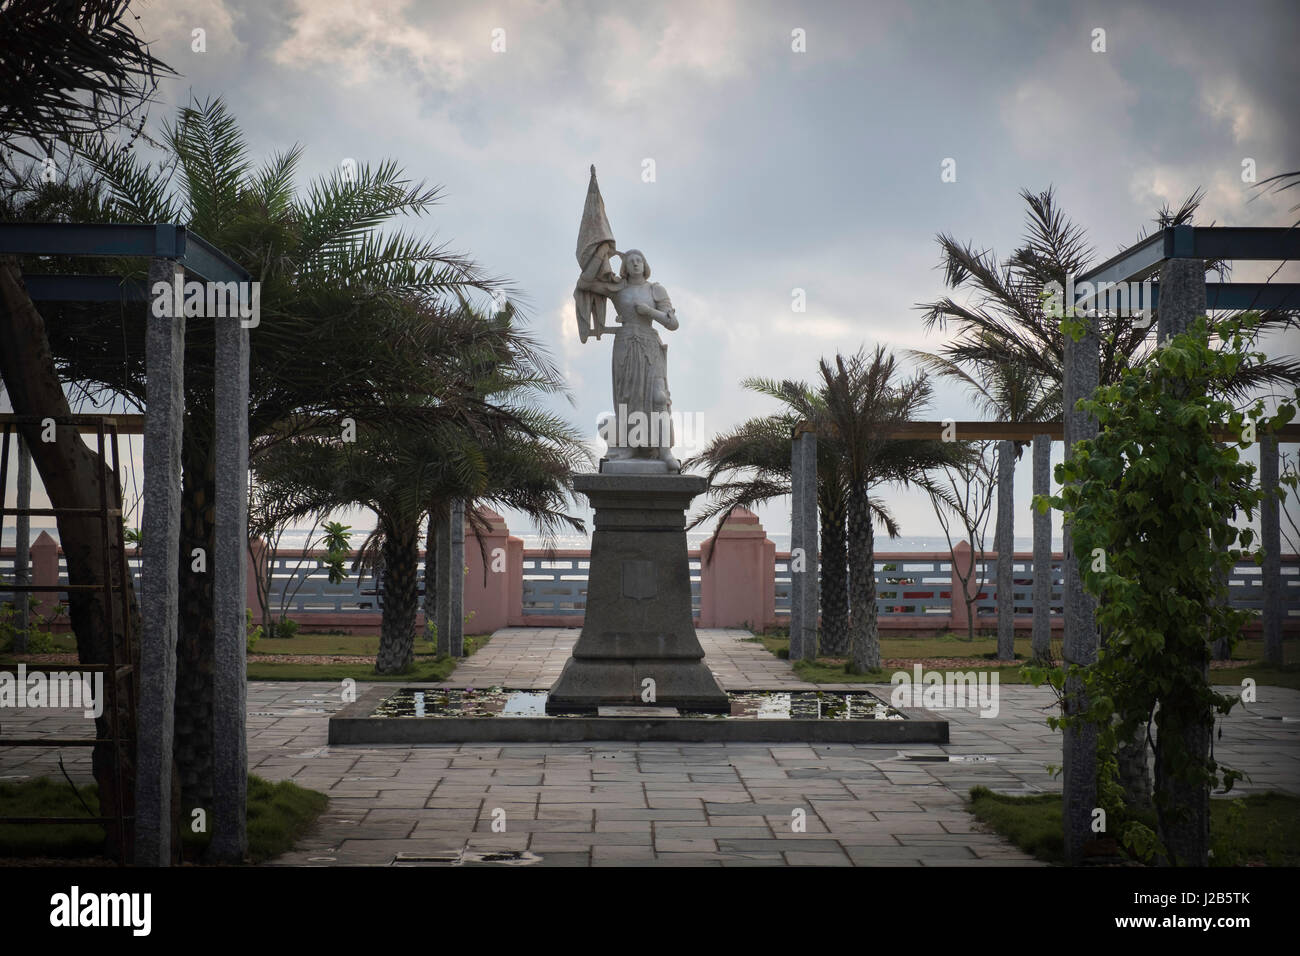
[643,309]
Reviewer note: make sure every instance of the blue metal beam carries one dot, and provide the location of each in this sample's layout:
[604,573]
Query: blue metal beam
[154,240]
[1132,264]
[1196,242]
[84,288]
[1219,296]
[207,261]
[1244,242]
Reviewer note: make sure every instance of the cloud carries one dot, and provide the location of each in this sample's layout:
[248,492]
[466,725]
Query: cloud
[357,42]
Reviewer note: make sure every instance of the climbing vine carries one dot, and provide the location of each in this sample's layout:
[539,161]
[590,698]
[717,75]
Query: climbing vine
[1152,503]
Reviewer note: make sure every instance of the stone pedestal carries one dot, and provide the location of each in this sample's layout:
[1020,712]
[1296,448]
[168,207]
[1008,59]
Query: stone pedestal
[638,624]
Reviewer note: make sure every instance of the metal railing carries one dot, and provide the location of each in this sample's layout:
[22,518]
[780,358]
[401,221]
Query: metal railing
[557,586]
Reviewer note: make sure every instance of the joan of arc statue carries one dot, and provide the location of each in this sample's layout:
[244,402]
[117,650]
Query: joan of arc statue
[642,426]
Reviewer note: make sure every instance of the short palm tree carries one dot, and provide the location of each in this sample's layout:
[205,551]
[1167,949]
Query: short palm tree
[855,399]
[750,464]
[864,401]
[1007,391]
[482,437]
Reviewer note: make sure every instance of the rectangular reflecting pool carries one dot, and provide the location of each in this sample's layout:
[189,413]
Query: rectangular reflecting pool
[745,705]
[415,715]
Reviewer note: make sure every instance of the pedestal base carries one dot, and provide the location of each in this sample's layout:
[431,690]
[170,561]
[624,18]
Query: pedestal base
[638,643]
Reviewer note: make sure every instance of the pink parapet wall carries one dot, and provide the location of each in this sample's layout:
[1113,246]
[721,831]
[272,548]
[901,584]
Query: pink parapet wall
[494,581]
[738,575]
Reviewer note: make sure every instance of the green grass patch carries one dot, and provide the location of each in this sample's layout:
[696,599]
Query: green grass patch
[982,653]
[1263,828]
[427,666]
[1288,675]
[1032,823]
[278,815]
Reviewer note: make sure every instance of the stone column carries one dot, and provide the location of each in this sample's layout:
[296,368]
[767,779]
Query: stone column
[1079,744]
[441,584]
[229,595]
[1271,542]
[804,525]
[1042,633]
[456,580]
[160,533]
[1005,545]
[22,543]
[1182,299]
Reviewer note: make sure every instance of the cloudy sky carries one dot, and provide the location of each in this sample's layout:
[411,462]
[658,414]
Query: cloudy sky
[774,169]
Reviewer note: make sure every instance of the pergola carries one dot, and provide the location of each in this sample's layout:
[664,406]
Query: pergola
[1176,256]
[174,253]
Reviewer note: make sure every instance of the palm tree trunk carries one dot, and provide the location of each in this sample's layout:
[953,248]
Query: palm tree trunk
[834,580]
[1004,544]
[1042,633]
[864,634]
[70,473]
[401,597]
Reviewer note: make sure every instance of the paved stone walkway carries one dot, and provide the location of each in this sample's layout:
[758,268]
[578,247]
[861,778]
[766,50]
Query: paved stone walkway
[657,803]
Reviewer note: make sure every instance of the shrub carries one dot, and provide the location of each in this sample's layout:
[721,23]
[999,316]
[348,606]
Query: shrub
[252,634]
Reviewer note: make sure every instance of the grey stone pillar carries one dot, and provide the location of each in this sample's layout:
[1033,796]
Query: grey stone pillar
[1079,745]
[23,543]
[1182,298]
[1271,542]
[441,516]
[1042,632]
[229,582]
[160,534]
[804,525]
[456,580]
[1005,545]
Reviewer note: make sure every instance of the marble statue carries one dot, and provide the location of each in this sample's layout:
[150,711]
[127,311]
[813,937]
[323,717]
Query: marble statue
[642,429]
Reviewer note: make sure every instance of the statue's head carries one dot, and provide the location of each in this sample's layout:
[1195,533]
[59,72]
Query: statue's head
[633,264]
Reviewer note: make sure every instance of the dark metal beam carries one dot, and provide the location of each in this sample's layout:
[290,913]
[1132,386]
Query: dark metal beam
[153,240]
[1133,263]
[85,288]
[207,261]
[1244,242]
[1220,296]
[1196,242]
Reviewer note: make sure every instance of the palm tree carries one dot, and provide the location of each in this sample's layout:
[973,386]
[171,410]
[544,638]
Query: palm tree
[340,336]
[69,70]
[482,437]
[753,461]
[1007,320]
[854,401]
[1008,391]
[864,402]
[1010,351]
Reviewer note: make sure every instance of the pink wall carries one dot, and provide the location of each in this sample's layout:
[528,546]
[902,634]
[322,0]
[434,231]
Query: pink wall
[494,588]
[738,575]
